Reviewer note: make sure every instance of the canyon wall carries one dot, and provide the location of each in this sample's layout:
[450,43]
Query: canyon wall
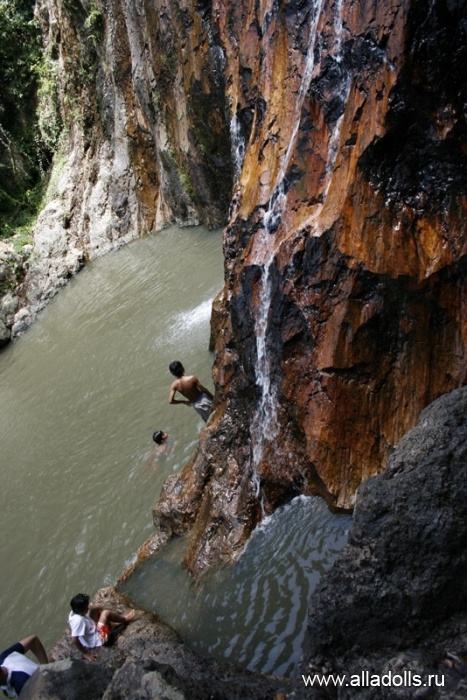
[344,309]
[336,133]
[135,96]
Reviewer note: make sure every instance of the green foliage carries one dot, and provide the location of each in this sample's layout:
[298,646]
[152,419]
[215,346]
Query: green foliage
[81,62]
[49,119]
[20,55]
[94,25]
[27,85]
[18,221]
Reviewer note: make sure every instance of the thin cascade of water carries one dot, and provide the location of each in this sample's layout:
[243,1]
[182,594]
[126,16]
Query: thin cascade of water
[304,85]
[264,425]
[238,145]
[338,29]
[334,142]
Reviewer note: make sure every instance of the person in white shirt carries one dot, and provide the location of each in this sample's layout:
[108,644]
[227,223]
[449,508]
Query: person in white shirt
[90,626]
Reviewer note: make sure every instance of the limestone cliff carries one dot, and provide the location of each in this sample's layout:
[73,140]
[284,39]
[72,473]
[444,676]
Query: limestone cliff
[342,125]
[140,92]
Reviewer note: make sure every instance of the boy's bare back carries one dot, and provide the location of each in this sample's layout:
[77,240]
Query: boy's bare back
[189,387]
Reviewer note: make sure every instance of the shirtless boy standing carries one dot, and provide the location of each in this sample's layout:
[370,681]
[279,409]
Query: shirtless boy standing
[196,394]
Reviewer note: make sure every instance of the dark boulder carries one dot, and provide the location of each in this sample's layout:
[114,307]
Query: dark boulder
[397,596]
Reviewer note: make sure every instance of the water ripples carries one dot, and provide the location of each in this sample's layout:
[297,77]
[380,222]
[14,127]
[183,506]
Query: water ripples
[253,612]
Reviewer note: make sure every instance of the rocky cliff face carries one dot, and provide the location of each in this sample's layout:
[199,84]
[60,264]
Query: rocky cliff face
[140,92]
[343,127]
[344,309]
[396,599]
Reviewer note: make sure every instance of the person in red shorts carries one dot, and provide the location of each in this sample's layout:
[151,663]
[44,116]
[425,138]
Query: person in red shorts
[90,626]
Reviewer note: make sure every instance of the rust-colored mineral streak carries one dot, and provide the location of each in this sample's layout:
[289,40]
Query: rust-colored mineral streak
[367,316]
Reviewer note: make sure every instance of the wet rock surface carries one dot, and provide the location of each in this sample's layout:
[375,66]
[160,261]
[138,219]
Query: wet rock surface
[148,660]
[343,313]
[396,599]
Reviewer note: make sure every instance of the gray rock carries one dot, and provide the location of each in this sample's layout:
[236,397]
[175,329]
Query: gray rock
[8,307]
[70,679]
[5,334]
[22,321]
[148,660]
[397,596]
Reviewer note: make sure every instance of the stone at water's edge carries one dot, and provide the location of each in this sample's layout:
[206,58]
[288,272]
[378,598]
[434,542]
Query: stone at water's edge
[396,599]
[148,660]
[12,272]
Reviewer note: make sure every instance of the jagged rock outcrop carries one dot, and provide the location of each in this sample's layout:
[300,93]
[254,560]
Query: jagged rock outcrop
[148,660]
[344,309]
[396,599]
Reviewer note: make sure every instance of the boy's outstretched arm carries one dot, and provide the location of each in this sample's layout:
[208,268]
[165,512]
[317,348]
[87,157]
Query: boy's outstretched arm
[34,644]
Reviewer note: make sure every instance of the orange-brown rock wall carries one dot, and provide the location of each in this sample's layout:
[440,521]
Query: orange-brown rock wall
[352,196]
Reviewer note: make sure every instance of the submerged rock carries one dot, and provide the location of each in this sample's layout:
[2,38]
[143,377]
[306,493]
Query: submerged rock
[396,599]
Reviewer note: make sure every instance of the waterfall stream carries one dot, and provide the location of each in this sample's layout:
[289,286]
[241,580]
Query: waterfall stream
[264,424]
[238,146]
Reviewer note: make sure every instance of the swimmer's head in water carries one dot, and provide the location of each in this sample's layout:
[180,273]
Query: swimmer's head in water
[176,368]
[159,437]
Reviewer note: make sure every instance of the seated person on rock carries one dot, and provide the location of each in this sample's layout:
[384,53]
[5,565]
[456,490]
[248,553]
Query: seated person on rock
[190,387]
[91,625]
[16,668]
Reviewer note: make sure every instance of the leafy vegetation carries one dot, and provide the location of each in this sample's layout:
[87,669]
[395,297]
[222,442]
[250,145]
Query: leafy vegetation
[23,153]
[31,128]
[94,24]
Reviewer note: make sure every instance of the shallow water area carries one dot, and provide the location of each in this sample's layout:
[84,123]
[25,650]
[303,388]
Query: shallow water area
[80,395]
[253,612]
